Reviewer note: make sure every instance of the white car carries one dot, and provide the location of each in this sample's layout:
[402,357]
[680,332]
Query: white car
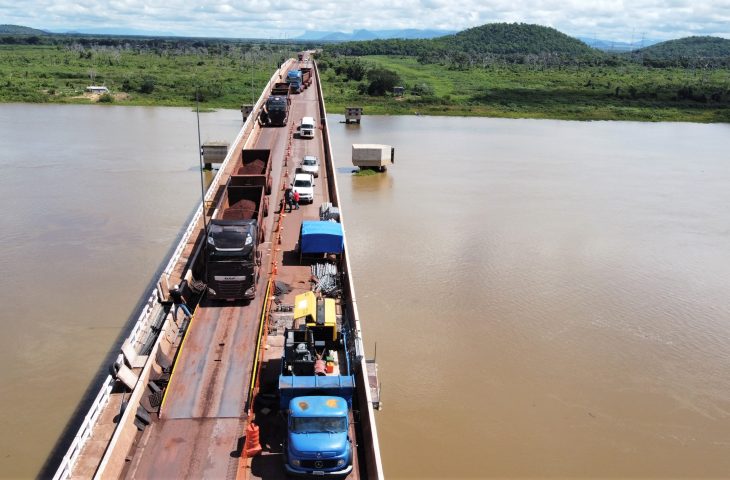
[304,185]
[310,164]
[306,128]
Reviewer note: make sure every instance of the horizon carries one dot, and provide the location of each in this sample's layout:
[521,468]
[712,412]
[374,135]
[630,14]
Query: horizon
[133,32]
[283,19]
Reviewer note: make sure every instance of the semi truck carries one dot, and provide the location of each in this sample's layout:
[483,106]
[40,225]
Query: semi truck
[276,108]
[234,234]
[255,168]
[316,388]
[294,79]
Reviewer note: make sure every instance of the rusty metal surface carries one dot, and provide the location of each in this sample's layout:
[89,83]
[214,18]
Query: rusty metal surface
[212,373]
[189,448]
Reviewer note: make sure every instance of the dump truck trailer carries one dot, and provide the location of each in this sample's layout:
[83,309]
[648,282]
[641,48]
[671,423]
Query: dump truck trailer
[233,237]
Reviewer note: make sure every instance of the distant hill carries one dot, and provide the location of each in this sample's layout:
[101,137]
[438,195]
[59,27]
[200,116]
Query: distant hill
[363,35]
[514,38]
[689,47]
[498,39]
[121,31]
[20,30]
[614,46]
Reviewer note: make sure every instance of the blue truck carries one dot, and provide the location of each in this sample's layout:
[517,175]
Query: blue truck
[316,387]
[318,441]
[294,79]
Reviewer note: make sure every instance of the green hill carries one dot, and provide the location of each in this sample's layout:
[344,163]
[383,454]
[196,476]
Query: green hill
[20,30]
[689,47]
[495,39]
[514,39]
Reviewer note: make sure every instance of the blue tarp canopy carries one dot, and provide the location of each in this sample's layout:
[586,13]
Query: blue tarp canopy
[321,237]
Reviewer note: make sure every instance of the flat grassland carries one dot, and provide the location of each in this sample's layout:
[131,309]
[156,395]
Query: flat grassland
[625,92]
[222,78]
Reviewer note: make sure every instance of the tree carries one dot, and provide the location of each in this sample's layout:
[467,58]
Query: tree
[381,81]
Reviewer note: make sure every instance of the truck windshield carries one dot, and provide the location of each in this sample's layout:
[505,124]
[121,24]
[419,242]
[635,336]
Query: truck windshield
[310,161]
[302,183]
[319,424]
[230,237]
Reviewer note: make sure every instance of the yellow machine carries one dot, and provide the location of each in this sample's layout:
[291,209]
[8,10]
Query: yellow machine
[319,314]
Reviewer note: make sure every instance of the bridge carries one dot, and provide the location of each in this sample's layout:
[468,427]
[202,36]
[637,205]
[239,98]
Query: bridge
[184,392]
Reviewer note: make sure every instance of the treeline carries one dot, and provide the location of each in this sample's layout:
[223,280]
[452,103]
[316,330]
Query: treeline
[156,44]
[534,45]
[690,52]
[493,43]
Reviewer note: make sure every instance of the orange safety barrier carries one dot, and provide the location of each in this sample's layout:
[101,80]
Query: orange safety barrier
[253,445]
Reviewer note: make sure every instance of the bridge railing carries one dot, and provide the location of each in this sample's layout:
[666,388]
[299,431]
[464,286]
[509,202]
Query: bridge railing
[372,450]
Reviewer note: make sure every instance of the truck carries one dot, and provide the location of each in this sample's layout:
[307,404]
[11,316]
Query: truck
[294,79]
[370,155]
[316,388]
[306,127]
[234,233]
[255,168]
[276,108]
[303,184]
[306,76]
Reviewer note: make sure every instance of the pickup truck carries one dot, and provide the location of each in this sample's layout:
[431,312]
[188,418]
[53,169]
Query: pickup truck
[304,185]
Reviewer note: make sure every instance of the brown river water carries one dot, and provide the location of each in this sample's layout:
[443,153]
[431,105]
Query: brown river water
[549,299]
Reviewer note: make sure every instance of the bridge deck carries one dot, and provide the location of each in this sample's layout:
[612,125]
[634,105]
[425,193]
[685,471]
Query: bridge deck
[204,414]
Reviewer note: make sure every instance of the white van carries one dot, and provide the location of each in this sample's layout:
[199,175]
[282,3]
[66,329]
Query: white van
[306,128]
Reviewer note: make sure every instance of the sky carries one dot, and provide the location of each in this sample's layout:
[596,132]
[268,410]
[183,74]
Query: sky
[617,20]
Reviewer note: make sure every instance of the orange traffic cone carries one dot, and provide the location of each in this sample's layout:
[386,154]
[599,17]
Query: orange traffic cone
[253,447]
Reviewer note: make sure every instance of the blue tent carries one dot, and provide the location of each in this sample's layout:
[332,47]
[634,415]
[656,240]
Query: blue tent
[321,237]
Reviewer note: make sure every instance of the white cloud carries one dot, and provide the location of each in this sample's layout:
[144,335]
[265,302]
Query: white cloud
[608,19]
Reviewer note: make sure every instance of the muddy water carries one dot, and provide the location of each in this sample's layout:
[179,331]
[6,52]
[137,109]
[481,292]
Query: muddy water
[549,299]
[91,199]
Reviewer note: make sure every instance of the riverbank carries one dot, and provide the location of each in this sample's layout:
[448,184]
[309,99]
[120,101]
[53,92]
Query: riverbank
[228,78]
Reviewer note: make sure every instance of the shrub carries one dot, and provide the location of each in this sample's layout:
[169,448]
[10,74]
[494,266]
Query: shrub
[382,81]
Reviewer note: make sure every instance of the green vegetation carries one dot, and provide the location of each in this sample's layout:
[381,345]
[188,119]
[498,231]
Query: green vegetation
[507,41]
[518,70]
[503,70]
[690,52]
[627,92]
[365,172]
[138,72]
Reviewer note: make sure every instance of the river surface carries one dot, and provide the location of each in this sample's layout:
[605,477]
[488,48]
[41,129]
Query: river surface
[549,299]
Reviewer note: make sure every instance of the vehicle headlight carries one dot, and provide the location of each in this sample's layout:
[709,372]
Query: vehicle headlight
[211,241]
[340,462]
[296,463]
[249,239]
[251,290]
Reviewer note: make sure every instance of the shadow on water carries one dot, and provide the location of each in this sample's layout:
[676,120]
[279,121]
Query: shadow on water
[53,460]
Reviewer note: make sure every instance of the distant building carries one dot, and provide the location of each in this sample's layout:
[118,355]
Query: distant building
[96,89]
[398,91]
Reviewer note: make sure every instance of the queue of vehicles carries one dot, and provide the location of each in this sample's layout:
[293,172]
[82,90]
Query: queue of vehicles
[320,385]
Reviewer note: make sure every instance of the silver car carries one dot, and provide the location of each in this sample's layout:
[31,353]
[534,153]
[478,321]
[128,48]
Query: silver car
[310,164]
